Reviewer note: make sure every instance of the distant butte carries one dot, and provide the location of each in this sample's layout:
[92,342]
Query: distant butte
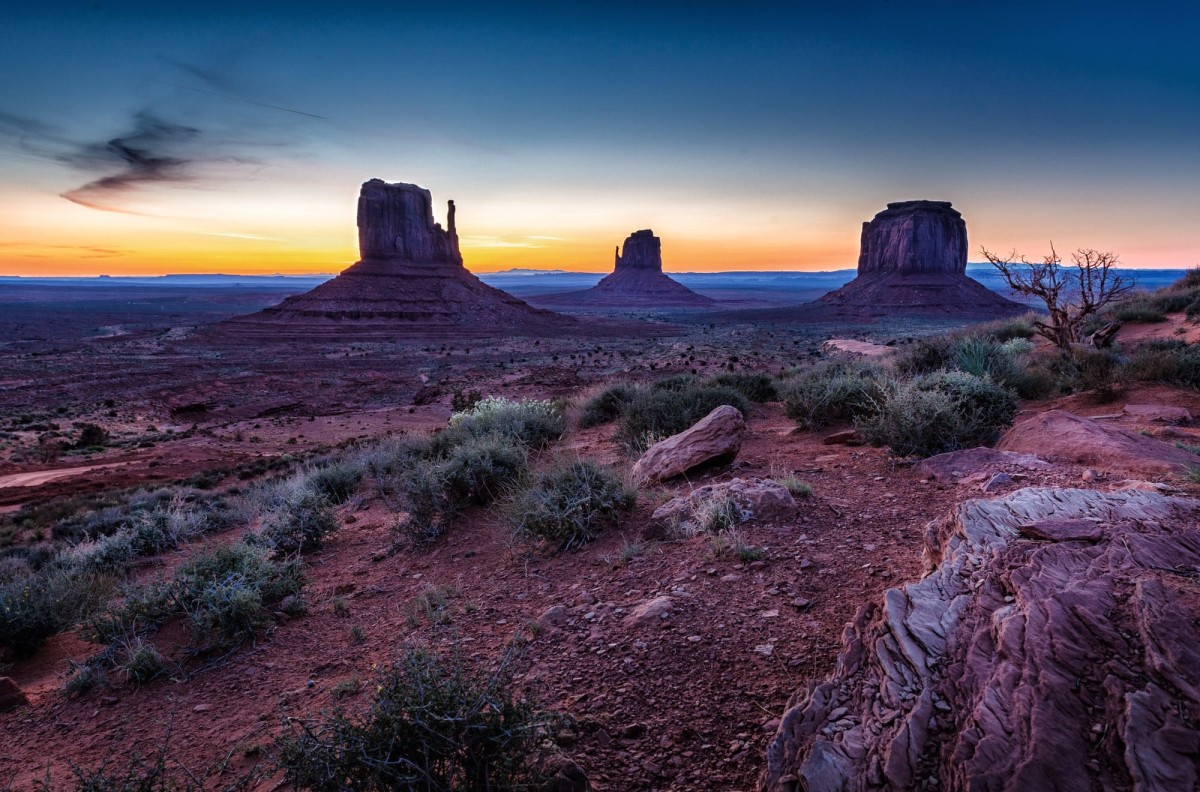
[913,260]
[637,281]
[409,283]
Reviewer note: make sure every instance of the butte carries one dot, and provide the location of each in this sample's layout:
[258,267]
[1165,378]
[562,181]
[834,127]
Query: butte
[410,283]
[913,260]
[637,281]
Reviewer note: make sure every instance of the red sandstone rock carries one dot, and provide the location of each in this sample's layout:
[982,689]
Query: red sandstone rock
[913,259]
[717,435]
[1064,437]
[755,499]
[1069,662]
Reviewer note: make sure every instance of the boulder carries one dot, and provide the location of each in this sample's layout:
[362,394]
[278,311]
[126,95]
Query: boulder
[755,499]
[1050,646]
[409,282]
[1064,437]
[716,436]
[11,695]
[637,280]
[650,612]
[1164,413]
[961,464]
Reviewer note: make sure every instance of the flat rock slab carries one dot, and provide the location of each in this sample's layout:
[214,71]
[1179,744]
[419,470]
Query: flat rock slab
[1017,661]
[1064,437]
[960,464]
[755,499]
[1157,412]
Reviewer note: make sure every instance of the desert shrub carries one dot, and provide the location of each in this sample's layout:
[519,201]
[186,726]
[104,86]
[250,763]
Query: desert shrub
[36,606]
[91,436]
[676,382]
[136,610]
[609,404]
[420,492]
[985,357]
[796,487]
[717,515]
[925,356]
[757,388]
[480,468]
[570,504]
[1141,309]
[140,660]
[432,726]
[661,412]
[462,401]
[532,423]
[1003,330]
[939,412]
[226,593]
[111,553]
[1192,311]
[336,481]
[1189,281]
[298,522]
[832,391]
[1169,361]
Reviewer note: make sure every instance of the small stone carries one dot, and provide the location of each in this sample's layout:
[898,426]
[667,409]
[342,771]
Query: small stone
[202,708]
[766,650]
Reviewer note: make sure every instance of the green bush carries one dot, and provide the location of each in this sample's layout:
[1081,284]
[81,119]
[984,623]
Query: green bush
[676,382]
[1003,330]
[91,436]
[1169,361]
[939,412]
[1139,311]
[570,504]
[226,593]
[662,412]
[609,404]
[985,357]
[925,356]
[36,606]
[479,469]
[757,388]
[832,391]
[534,424]
[432,726]
[336,481]
[422,495]
[298,523]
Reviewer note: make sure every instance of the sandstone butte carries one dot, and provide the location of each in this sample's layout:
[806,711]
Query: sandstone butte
[410,282]
[637,281]
[913,260]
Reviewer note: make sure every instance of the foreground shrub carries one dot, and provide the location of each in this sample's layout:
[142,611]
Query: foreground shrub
[925,356]
[534,424]
[433,726]
[36,606]
[298,523]
[939,412]
[662,412]
[832,391]
[227,593]
[609,404]
[337,481]
[1172,362]
[985,357]
[1003,330]
[757,388]
[479,469]
[570,504]
[422,495]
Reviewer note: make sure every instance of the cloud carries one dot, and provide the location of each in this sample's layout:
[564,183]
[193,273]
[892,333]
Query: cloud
[154,152]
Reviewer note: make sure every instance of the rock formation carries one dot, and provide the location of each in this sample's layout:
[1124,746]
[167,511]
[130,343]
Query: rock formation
[410,282]
[637,281]
[1050,646]
[913,259]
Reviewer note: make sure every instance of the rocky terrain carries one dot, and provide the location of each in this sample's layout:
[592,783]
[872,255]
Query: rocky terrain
[787,605]
[637,281]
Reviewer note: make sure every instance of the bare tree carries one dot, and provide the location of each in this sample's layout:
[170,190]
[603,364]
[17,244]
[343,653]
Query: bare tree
[1071,294]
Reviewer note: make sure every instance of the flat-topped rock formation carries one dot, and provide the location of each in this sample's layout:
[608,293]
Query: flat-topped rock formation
[637,281]
[913,260]
[410,282]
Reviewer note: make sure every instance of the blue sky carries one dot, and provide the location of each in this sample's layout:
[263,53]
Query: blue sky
[748,136]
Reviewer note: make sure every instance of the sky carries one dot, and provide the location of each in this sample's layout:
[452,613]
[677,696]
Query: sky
[163,137]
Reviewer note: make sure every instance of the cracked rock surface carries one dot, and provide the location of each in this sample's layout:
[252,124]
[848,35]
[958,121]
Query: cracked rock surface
[1051,645]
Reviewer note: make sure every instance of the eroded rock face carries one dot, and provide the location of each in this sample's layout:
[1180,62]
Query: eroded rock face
[914,237]
[717,435]
[1050,646]
[642,251]
[395,221]
[1061,436]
